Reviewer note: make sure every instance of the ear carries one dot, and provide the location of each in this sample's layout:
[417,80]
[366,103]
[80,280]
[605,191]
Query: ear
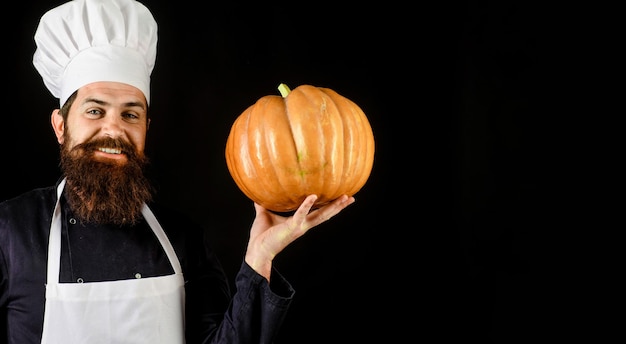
[58,125]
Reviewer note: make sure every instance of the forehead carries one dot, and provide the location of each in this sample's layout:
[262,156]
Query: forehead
[115,93]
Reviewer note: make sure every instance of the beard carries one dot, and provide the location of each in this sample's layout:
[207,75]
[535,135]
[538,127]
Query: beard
[105,191]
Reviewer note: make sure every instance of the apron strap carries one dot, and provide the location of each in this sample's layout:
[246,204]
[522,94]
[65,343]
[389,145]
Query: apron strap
[165,242]
[54,240]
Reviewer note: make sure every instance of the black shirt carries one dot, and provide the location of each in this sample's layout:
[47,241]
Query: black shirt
[109,252]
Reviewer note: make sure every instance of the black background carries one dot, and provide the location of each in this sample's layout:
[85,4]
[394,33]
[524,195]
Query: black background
[452,237]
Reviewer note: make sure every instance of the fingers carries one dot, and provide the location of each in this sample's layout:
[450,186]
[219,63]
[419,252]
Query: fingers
[305,207]
[298,219]
[326,212]
[305,218]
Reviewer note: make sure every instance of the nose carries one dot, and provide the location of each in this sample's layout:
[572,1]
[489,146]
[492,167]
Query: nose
[113,125]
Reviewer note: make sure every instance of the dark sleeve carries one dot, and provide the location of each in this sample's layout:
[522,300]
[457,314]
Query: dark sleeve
[253,313]
[3,298]
[256,311]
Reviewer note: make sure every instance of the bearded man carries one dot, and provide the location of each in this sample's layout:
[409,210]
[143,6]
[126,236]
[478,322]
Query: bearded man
[93,259]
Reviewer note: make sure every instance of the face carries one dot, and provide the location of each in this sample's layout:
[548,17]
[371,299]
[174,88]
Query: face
[105,110]
[102,144]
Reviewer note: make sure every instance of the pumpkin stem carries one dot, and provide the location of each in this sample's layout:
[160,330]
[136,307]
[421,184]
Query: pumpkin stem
[284,90]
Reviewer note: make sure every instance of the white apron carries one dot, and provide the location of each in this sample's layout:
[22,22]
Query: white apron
[144,310]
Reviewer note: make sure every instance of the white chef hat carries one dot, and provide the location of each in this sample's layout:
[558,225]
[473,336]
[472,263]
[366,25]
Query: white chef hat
[85,41]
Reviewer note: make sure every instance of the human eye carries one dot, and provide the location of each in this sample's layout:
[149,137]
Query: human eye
[94,113]
[131,117]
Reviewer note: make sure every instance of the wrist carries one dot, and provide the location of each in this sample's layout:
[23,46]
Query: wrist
[262,266]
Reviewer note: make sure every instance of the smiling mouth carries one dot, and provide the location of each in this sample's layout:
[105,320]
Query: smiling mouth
[110,150]
[110,154]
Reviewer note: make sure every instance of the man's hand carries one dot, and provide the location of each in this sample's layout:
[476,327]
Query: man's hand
[271,233]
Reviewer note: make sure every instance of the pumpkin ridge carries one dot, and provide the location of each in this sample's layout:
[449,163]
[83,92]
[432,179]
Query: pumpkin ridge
[284,154]
[366,143]
[270,145]
[303,109]
[299,174]
[335,150]
[357,133]
[237,167]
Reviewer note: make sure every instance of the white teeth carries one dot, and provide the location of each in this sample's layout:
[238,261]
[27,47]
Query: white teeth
[110,150]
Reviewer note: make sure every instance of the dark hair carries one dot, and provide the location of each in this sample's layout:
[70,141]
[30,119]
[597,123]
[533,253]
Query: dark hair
[65,109]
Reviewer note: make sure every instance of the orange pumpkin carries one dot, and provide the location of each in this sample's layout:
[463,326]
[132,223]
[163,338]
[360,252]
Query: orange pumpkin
[309,141]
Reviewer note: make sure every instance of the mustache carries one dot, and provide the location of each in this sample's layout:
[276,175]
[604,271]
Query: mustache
[108,142]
